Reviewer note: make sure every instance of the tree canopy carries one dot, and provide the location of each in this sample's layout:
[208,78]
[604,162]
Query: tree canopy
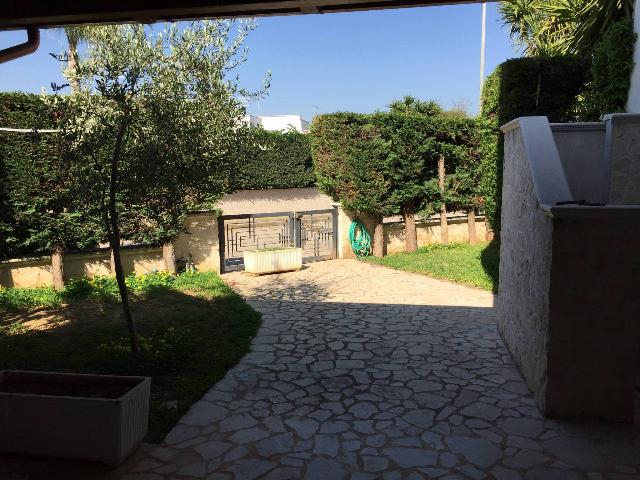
[387,162]
[36,189]
[560,27]
[153,127]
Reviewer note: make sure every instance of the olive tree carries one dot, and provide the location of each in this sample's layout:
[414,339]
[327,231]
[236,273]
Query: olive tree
[152,127]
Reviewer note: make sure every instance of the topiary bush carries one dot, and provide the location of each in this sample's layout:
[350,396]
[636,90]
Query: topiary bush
[273,160]
[546,86]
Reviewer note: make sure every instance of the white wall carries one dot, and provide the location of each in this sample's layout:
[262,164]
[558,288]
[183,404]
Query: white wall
[274,200]
[279,123]
[633,102]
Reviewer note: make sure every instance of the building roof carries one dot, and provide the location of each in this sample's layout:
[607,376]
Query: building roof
[24,13]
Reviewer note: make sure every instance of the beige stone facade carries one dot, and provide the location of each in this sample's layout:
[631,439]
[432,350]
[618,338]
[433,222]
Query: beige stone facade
[199,242]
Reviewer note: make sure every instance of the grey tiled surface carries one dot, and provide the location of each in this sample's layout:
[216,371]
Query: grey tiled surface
[361,372]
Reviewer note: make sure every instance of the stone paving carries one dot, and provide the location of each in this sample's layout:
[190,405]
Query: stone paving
[362,372]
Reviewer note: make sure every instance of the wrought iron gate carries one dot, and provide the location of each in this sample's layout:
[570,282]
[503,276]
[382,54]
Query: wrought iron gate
[312,230]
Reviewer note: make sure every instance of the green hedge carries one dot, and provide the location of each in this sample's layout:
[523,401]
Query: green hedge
[20,110]
[274,160]
[548,86]
[611,69]
[387,162]
[349,156]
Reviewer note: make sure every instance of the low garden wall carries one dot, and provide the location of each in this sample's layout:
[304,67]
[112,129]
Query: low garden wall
[427,229]
[429,232]
[199,242]
[274,200]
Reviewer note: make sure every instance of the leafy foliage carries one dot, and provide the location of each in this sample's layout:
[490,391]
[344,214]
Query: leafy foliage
[273,160]
[37,190]
[101,287]
[560,27]
[411,104]
[529,86]
[610,79]
[168,96]
[386,162]
[349,156]
[152,126]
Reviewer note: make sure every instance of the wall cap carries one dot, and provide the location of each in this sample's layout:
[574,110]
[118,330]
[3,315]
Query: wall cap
[622,118]
[547,172]
[577,126]
[583,211]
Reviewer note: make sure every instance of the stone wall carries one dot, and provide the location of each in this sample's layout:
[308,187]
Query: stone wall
[594,340]
[622,152]
[36,272]
[200,242]
[275,200]
[428,232]
[581,149]
[525,266]
[569,292]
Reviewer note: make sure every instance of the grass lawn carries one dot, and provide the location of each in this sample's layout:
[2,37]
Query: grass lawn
[192,329]
[475,265]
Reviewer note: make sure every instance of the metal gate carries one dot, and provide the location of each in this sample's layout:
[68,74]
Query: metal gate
[312,230]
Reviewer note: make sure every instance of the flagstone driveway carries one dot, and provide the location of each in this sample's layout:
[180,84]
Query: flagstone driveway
[363,372]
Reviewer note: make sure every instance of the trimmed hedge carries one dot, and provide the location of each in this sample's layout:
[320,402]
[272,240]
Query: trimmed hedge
[274,160]
[611,70]
[387,162]
[548,86]
[29,186]
[349,157]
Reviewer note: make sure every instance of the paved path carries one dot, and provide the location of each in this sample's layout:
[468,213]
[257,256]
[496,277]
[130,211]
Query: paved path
[361,372]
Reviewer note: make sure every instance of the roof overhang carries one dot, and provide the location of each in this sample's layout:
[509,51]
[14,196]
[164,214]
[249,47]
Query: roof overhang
[37,13]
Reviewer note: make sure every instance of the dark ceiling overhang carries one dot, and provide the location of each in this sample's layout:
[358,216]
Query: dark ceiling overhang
[15,14]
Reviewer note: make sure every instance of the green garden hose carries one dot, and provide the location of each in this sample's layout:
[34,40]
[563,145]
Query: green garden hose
[360,239]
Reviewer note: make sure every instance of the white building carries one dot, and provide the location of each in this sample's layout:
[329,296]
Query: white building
[282,123]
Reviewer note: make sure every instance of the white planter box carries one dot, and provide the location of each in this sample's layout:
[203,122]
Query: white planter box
[271,261]
[41,416]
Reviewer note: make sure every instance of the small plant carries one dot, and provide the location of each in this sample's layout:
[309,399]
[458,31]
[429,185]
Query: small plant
[101,287]
[25,298]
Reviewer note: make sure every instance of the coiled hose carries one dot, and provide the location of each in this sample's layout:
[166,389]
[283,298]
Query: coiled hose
[360,239]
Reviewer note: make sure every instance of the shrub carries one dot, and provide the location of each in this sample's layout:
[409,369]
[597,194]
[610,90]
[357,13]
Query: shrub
[36,186]
[610,78]
[547,86]
[274,160]
[349,155]
[101,287]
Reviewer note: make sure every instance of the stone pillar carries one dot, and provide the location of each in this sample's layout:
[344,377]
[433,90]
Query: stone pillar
[622,153]
[200,241]
[345,218]
[633,101]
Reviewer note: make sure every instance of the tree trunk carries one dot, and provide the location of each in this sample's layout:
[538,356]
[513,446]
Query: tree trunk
[112,263]
[471,225]
[73,65]
[57,267]
[378,237]
[169,257]
[114,238]
[444,225]
[410,233]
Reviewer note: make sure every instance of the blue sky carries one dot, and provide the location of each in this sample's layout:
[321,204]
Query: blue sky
[356,61]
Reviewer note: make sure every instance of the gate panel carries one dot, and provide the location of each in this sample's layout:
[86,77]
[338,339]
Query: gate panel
[313,231]
[316,235]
